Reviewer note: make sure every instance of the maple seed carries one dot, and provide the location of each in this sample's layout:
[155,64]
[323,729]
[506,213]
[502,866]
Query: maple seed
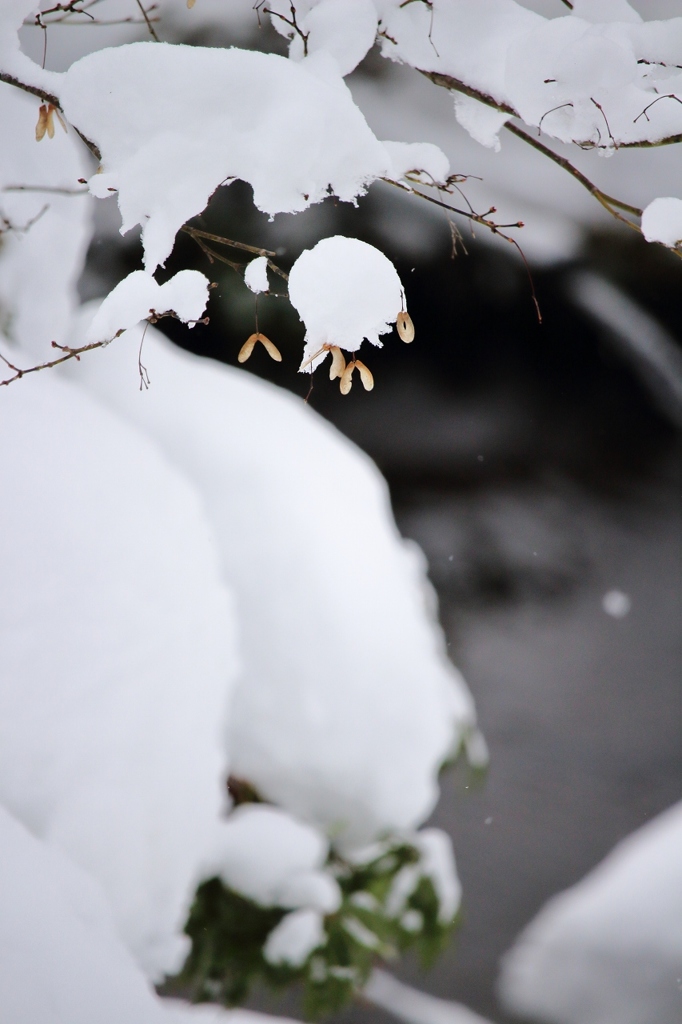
[347,378]
[405,327]
[338,364]
[365,375]
[41,126]
[248,347]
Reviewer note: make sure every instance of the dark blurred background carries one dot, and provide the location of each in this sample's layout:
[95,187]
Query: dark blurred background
[537,465]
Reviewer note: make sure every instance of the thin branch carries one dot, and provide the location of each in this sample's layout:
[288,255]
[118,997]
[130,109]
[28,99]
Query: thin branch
[152,30]
[607,201]
[46,188]
[455,84]
[199,237]
[69,353]
[35,90]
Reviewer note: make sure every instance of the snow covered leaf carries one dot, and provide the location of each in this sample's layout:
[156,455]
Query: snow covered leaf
[175,122]
[662,222]
[265,854]
[138,295]
[295,938]
[344,291]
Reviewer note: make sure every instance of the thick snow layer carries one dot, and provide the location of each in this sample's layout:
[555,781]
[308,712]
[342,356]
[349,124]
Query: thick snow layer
[347,704]
[295,937]
[117,642]
[662,222]
[42,251]
[61,960]
[344,291]
[345,29]
[256,275]
[418,157]
[138,295]
[608,950]
[175,122]
[597,83]
[273,859]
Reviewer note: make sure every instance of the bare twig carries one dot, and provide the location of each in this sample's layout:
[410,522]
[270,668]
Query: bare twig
[152,30]
[200,237]
[69,353]
[56,190]
[607,201]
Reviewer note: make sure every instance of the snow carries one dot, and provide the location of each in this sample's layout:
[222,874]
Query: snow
[294,938]
[118,658]
[344,291]
[483,123]
[345,29]
[416,157]
[138,295]
[578,78]
[609,949]
[662,222]
[169,137]
[62,961]
[408,1004]
[347,704]
[437,863]
[256,275]
[265,854]
[616,604]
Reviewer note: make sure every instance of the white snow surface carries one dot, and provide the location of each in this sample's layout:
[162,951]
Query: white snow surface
[174,122]
[347,704]
[609,949]
[42,252]
[62,961]
[344,29]
[344,291]
[578,78]
[420,158]
[256,275]
[118,651]
[138,295]
[275,860]
[662,222]
[295,937]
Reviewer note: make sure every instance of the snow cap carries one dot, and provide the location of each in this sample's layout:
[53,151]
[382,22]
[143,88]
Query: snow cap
[344,290]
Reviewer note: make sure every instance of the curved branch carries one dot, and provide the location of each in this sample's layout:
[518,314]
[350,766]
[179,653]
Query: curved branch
[606,200]
[456,85]
[49,97]
[42,94]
